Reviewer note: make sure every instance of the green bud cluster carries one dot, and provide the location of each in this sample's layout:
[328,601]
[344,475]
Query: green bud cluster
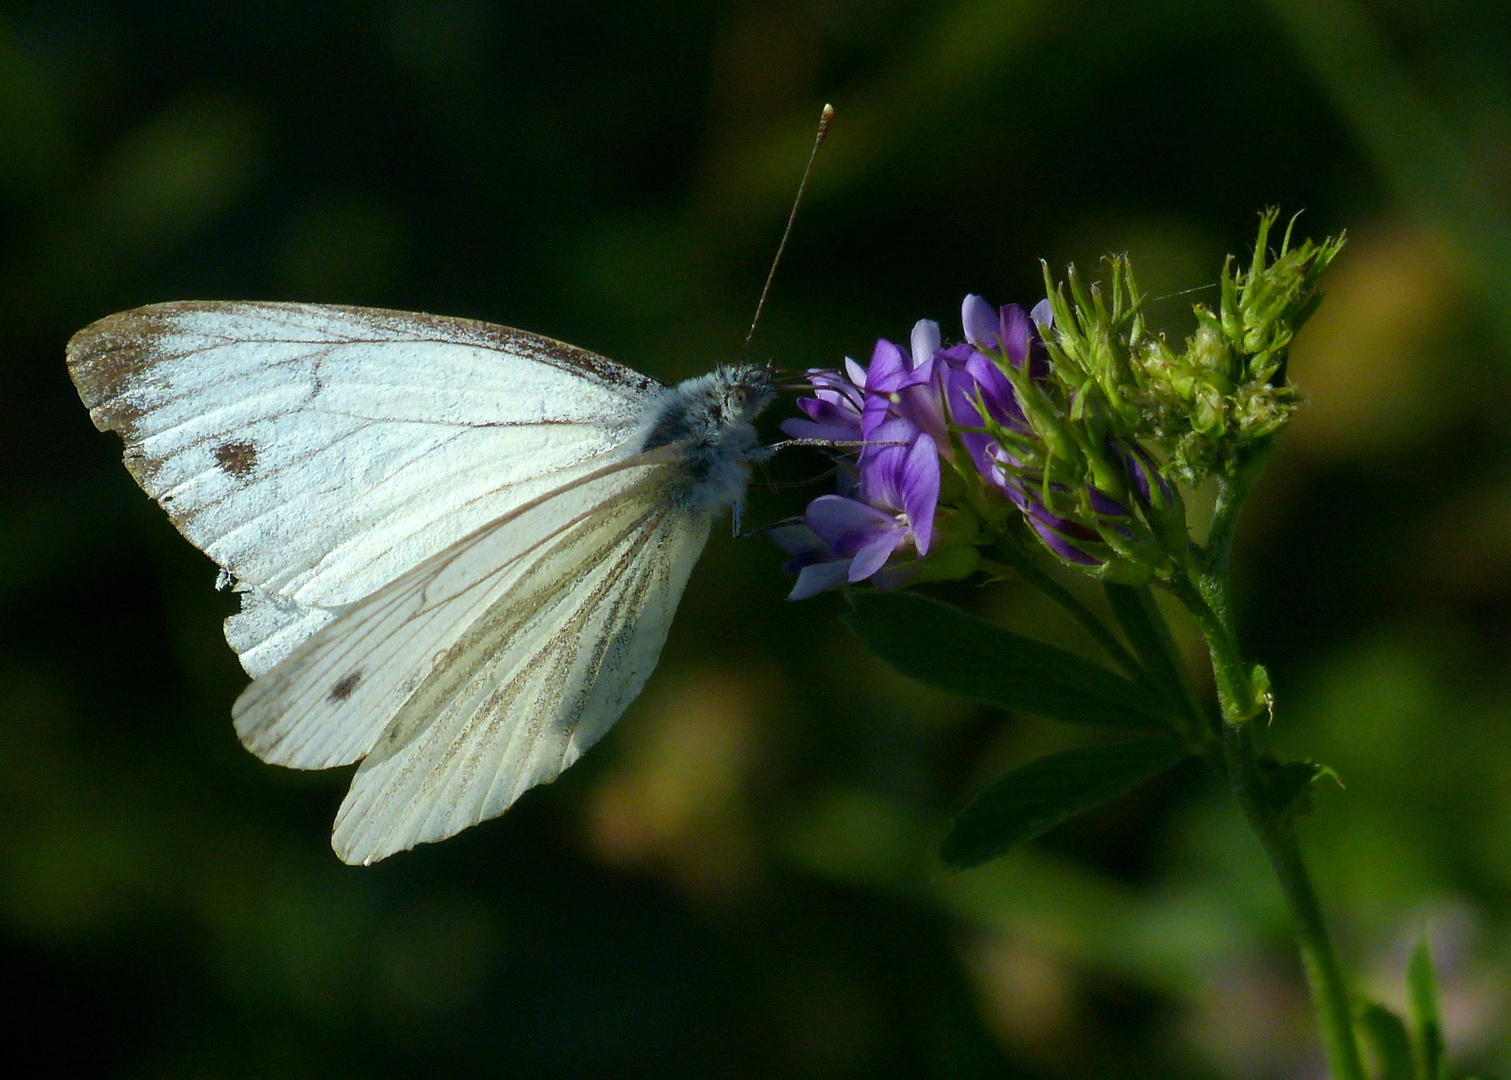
[1114,389]
[1227,392]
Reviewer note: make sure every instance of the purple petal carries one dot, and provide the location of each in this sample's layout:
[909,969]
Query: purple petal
[877,412]
[845,397]
[961,389]
[987,456]
[980,376]
[1142,468]
[1103,503]
[1017,333]
[1134,464]
[878,475]
[881,462]
[796,428]
[856,372]
[1039,514]
[798,540]
[1001,400]
[981,322]
[827,411]
[835,420]
[827,377]
[922,405]
[925,341]
[887,429]
[955,355]
[875,553]
[889,368]
[820,577]
[918,484]
[1043,315]
[846,524]
[1015,491]
[1061,546]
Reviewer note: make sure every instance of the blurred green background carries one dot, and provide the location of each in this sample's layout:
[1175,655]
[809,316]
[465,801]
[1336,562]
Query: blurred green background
[740,881]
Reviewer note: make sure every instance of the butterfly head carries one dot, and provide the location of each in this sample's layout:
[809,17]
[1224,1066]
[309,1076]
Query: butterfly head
[709,421]
[744,391]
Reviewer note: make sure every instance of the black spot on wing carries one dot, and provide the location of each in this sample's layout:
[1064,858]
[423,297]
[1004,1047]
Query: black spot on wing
[238,458]
[343,689]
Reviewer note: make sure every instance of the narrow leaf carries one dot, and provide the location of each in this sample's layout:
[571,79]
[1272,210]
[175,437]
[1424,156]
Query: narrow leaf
[1426,1023]
[1149,635]
[1039,796]
[1385,1035]
[951,650]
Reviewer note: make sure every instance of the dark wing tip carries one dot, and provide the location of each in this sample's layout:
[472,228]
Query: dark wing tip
[105,357]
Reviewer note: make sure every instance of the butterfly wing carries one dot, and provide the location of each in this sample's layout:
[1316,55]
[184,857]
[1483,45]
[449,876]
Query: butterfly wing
[318,453]
[491,667]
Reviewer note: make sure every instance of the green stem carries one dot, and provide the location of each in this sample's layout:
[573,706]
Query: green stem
[1077,610]
[1270,823]
[1214,561]
[1235,684]
[1205,590]
[1209,599]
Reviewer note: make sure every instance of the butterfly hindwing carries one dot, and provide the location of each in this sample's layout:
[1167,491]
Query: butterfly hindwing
[488,669]
[532,684]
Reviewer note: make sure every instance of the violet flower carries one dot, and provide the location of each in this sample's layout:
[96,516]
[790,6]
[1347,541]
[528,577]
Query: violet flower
[848,406]
[834,410]
[814,564]
[896,407]
[908,407]
[899,494]
[844,540]
[1009,330]
[980,396]
[902,383]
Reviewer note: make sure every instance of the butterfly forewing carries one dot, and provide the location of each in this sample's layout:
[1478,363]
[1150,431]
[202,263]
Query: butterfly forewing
[319,452]
[269,627]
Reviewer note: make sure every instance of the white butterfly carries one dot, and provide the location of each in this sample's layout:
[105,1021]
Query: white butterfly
[458,546]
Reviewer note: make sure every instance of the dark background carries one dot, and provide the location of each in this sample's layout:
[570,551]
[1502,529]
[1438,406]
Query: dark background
[740,881]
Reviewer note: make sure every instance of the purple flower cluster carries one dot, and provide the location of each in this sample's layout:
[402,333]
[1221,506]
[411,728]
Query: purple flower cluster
[889,409]
[902,411]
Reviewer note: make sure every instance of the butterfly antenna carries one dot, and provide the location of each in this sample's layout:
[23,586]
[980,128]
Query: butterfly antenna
[824,120]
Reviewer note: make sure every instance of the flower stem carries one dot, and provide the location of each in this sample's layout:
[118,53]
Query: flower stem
[1235,684]
[1208,598]
[1271,824]
[1213,576]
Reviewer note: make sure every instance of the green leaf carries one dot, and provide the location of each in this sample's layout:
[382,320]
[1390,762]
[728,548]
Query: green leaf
[1147,632]
[1039,796]
[1426,1023]
[1385,1035]
[951,650]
